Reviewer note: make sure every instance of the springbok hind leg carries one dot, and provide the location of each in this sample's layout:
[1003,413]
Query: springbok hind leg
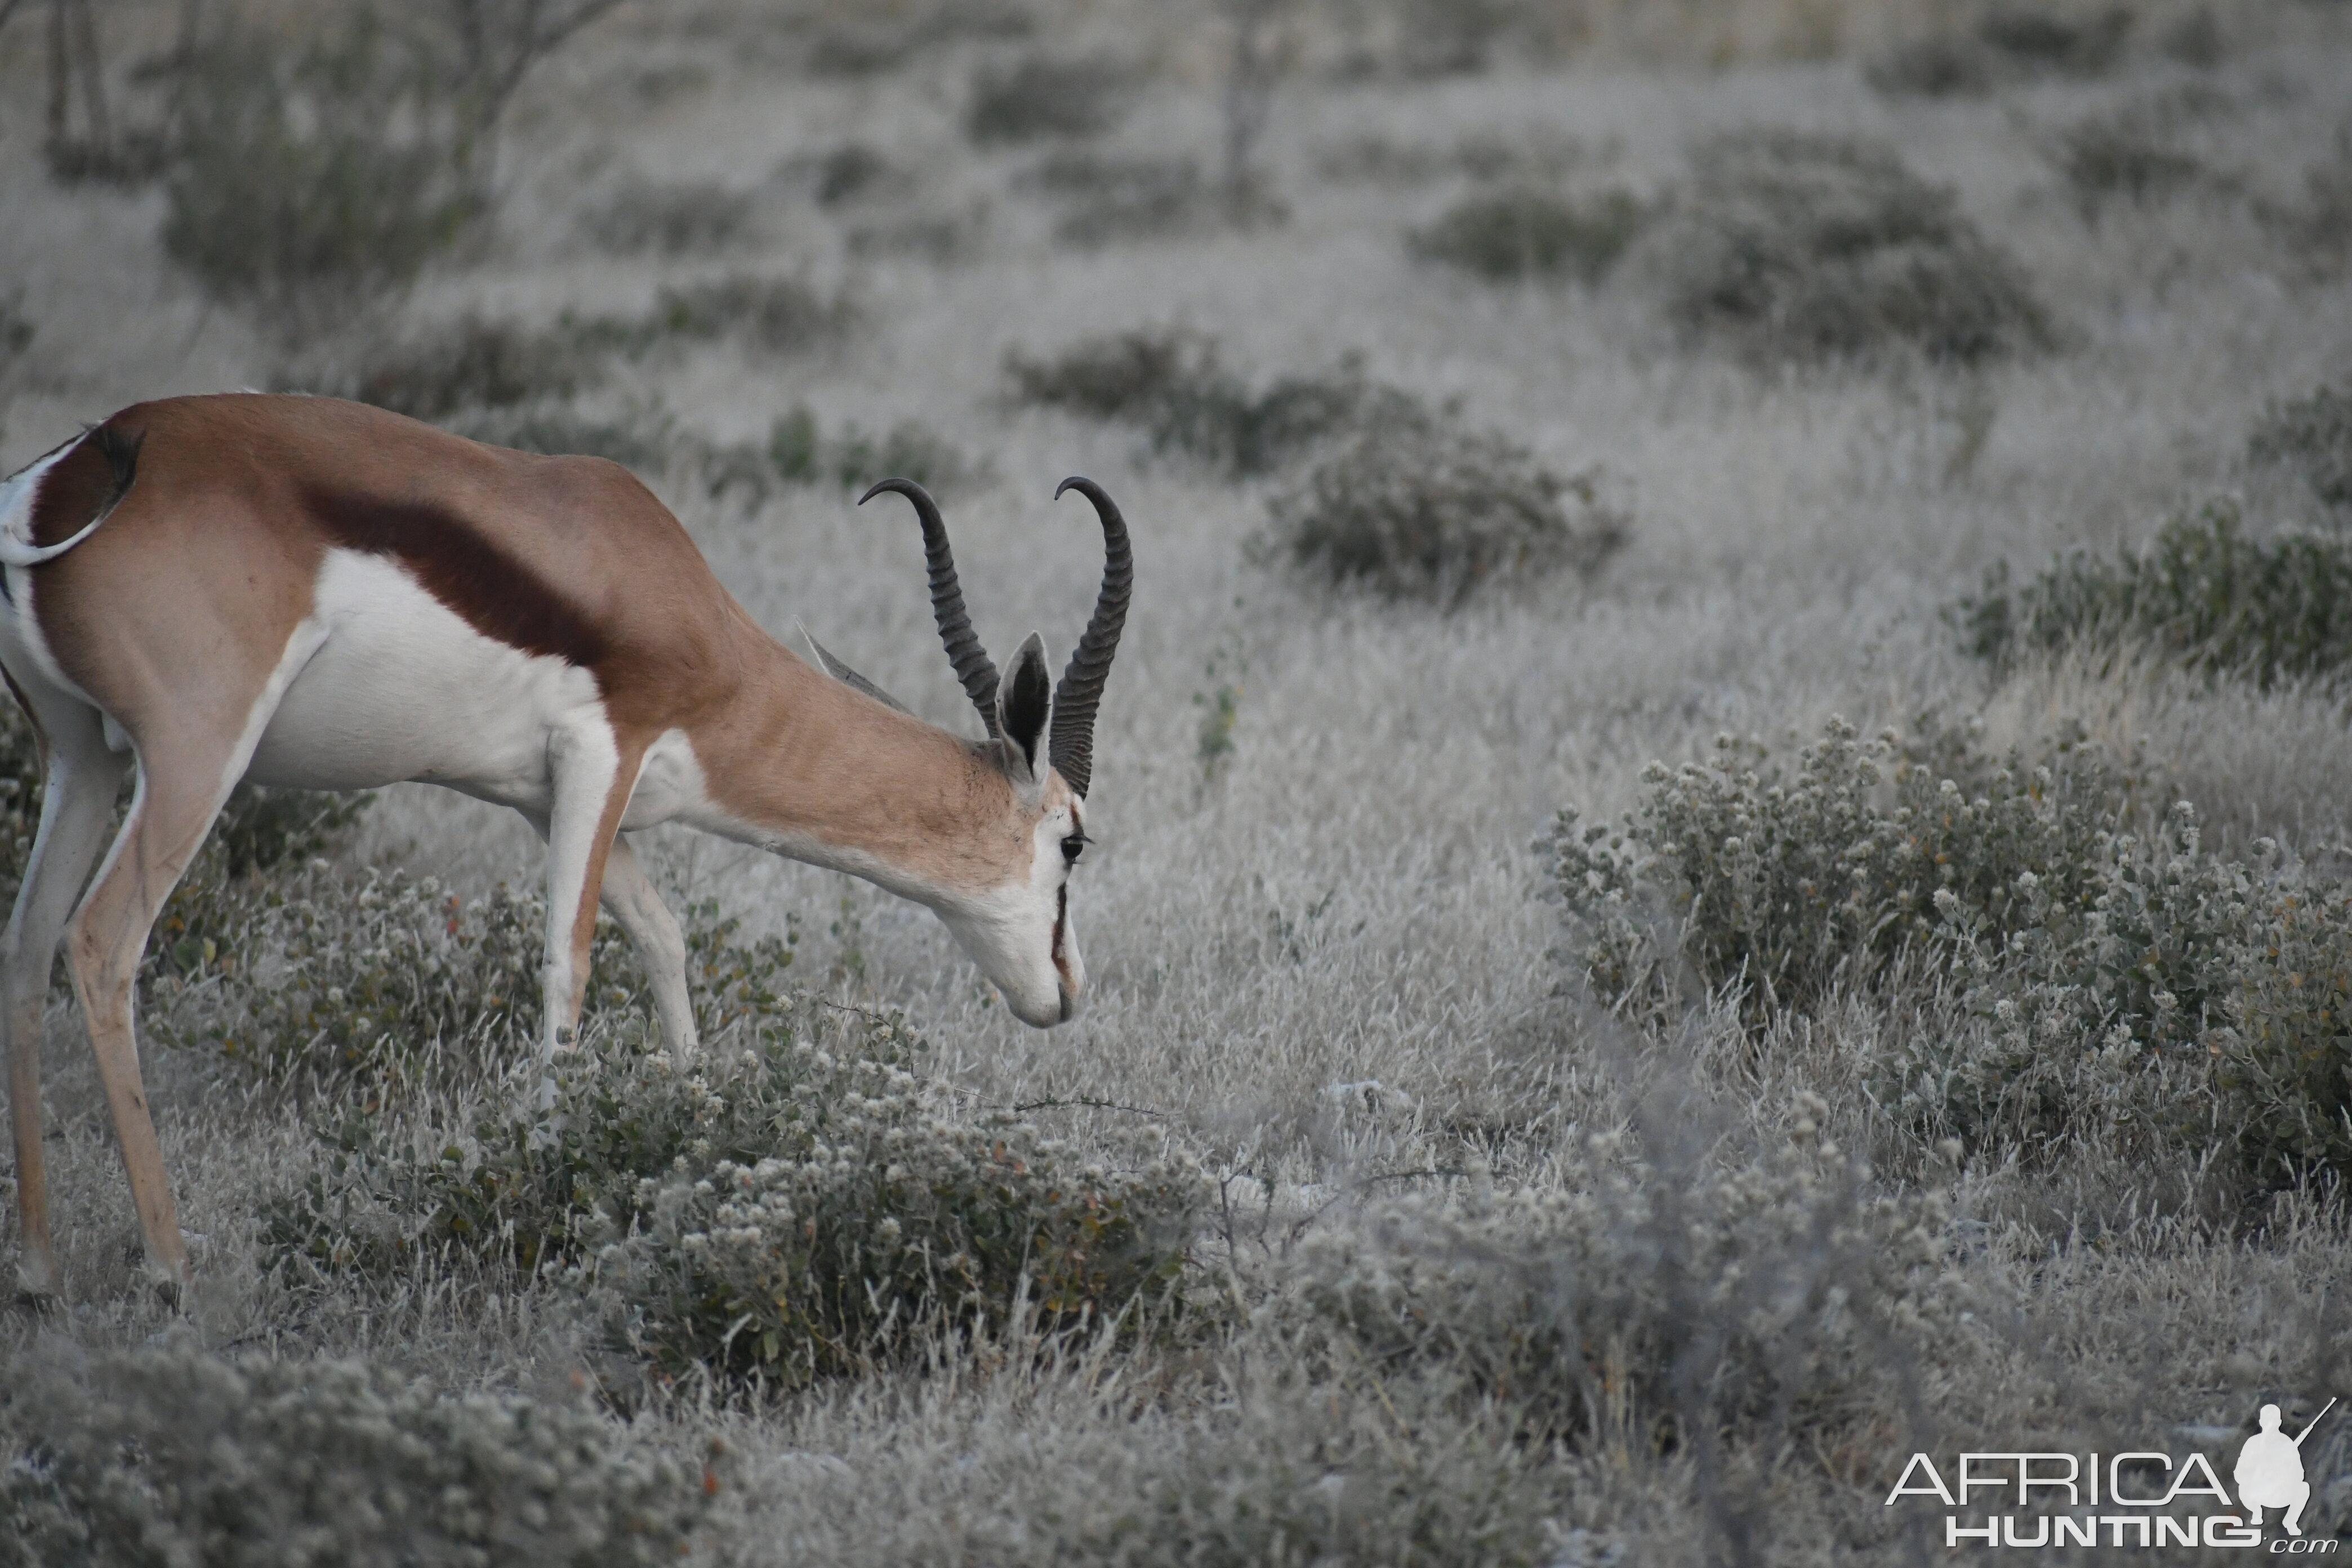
[77,803]
[630,894]
[179,794]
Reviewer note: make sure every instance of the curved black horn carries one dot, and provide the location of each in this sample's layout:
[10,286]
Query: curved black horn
[1071,744]
[973,665]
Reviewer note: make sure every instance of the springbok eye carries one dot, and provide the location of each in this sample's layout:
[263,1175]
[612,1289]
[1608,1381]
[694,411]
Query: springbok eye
[1073,846]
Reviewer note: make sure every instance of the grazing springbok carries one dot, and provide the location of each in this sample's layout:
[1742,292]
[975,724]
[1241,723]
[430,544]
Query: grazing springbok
[318,594]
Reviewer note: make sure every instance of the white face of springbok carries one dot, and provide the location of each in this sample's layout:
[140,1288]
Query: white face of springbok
[1016,925]
[1019,931]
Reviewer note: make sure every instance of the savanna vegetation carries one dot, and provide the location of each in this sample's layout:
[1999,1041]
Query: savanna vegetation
[1723,845]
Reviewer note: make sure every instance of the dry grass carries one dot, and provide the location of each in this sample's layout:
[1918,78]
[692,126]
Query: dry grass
[1323,962]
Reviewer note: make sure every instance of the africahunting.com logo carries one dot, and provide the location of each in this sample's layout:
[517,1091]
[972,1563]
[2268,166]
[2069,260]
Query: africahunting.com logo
[2149,1495]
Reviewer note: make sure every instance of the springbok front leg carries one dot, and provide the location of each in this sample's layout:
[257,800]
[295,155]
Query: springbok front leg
[77,805]
[593,780]
[630,894]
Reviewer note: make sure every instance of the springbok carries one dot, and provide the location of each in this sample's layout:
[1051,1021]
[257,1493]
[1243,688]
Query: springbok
[314,593]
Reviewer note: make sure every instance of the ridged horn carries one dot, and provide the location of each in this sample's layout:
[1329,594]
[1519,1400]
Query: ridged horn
[973,665]
[1071,744]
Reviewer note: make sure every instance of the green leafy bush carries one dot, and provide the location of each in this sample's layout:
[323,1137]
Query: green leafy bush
[1789,245]
[1040,96]
[306,182]
[173,1457]
[2201,591]
[792,1203]
[1416,507]
[2312,438]
[1650,1297]
[1523,231]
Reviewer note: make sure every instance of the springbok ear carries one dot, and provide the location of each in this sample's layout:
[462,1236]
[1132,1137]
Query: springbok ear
[1023,703]
[846,675]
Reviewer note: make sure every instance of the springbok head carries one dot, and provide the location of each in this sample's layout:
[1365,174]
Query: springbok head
[1038,761]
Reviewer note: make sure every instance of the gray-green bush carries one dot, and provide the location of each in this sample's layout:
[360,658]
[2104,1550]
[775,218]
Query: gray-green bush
[792,1204]
[1042,95]
[1655,1296]
[1419,507]
[305,182]
[2310,438]
[174,1456]
[1102,200]
[2098,982]
[2201,592]
[475,362]
[1792,247]
[2132,154]
[671,220]
[800,452]
[1525,231]
[1175,384]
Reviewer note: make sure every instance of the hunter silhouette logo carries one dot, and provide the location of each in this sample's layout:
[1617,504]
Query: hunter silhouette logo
[2270,1471]
[2144,1499]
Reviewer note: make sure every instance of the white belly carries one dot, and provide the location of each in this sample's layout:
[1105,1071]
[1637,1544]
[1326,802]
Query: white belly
[400,687]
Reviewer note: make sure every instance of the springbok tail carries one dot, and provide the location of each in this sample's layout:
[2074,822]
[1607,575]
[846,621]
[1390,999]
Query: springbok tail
[97,470]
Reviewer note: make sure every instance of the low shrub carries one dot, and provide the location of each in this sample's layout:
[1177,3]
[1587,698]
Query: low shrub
[2310,438]
[476,363]
[1120,375]
[304,183]
[1537,157]
[2008,46]
[2318,229]
[1523,232]
[2033,38]
[1041,95]
[851,458]
[2201,592]
[780,315]
[16,332]
[1795,246]
[1789,886]
[850,172]
[1174,386]
[1102,200]
[172,1455]
[641,435]
[792,1203]
[671,220]
[2098,983]
[2130,155]
[1418,507]
[1652,1298]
